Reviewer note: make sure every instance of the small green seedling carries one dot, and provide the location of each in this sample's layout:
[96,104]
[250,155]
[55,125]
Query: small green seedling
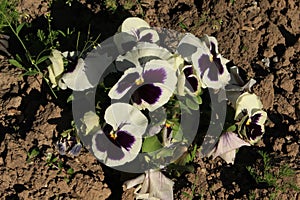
[55,162]
[32,154]
[268,176]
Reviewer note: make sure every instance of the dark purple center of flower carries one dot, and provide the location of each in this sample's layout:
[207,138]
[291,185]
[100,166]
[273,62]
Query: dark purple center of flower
[103,145]
[192,80]
[253,129]
[145,38]
[119,138]
[148,92]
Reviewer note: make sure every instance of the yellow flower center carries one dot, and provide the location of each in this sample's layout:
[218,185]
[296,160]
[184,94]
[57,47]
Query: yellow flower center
[168,125]
[248,122]
[211,58]
[139,81]
[113,135]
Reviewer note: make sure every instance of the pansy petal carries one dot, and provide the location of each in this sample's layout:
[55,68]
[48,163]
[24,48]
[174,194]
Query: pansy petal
[145,49]
[160,71]
[188,46]
[248,102]
[211,70]
[126,117]
[227,143]
[111,154]
[229,156]
[193,82]
[211,43]
[56,68]
[154,185]
[133,23]
[71,78]
[125,83]
[148,35]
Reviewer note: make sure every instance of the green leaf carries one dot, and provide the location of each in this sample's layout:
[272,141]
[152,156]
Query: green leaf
[66,133]
[18,29]
[231,128]
[42,59]
[30,73]
[61,32]
[34,153]
[15,63]
[60,165]
[151,144]
[70,98]
[41,35]
[185,108]
[198,99]
[70,171]
[191,104]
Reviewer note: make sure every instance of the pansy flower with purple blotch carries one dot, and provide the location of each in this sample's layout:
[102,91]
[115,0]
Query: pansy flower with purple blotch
[148,87]
[140,29]
[252,117]
[120,140]
[203,54]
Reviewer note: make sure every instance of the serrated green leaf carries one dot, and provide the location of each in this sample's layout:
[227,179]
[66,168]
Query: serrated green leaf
[151,144]
[15,63]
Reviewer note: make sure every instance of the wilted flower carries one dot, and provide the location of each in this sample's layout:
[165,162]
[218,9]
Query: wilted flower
[75,149]
[153,185]
[62,147]
[120,140]
[56,68]
[227,146]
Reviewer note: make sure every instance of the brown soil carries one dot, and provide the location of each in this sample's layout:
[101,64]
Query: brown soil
[261,37]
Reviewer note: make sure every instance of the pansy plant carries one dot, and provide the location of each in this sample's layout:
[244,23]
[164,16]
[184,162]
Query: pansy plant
[155,88]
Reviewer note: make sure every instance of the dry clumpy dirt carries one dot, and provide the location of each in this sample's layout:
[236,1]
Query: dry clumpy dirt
[261,37]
